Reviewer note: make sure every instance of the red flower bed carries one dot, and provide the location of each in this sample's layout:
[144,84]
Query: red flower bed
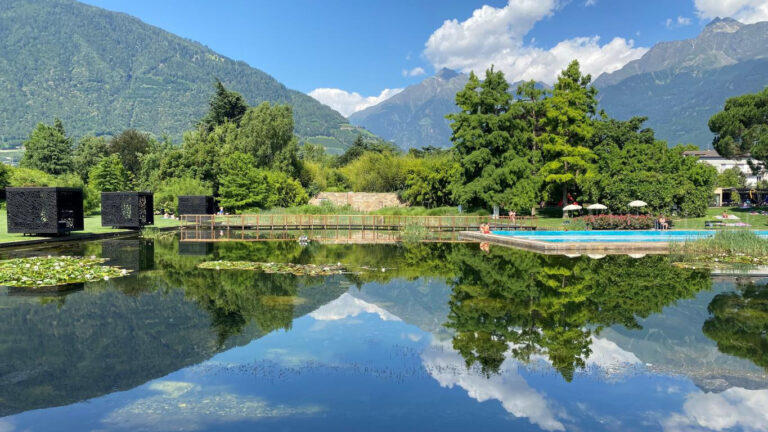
[625,222]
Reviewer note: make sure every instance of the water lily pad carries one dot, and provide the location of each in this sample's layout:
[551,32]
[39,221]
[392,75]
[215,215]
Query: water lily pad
[55,270]
[279,268]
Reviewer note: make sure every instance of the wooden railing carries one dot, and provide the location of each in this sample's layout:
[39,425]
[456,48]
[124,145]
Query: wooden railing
[355,222]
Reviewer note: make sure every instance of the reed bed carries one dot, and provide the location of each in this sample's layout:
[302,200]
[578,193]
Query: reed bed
[729,246]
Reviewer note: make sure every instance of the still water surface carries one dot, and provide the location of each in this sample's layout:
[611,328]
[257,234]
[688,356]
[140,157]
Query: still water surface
[430,337]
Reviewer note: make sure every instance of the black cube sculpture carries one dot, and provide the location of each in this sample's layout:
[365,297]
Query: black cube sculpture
[44,210]
[196,205]
[127,209]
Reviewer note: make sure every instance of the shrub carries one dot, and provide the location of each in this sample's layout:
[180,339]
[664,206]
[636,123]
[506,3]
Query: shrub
[612,222]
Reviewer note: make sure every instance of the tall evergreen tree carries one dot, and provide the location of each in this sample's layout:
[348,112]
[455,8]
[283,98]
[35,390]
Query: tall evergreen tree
[568,125]
[48,149]
[224,106]
[492,141]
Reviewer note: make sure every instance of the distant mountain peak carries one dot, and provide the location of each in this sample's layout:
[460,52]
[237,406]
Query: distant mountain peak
[722,25]
[446,74]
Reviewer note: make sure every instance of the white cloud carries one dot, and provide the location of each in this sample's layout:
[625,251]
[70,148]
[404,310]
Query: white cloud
[347,306]
[495,36]
[446,366]
[733,408]
[590,3]
[746,11]
[607,355]
[681,21]
[414,72]
[347,103]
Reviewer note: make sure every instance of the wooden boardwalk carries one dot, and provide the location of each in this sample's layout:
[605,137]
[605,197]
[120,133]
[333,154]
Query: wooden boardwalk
[331,236]
[286,222]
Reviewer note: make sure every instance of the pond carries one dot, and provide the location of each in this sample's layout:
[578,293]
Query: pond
[438,336]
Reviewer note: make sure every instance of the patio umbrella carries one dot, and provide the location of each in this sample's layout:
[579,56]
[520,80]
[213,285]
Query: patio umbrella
[570,207]
[637,204]
[596,256]
[597,207]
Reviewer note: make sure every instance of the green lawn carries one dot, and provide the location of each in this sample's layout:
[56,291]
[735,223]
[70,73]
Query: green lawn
[92,226]
[550,221]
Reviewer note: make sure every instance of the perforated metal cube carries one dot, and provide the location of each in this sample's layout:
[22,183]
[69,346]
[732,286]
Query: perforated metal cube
[127,209]
[44,210]
[196,205]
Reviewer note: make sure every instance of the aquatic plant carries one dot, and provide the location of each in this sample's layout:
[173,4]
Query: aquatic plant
[279,268]
[55,270]
[737,247]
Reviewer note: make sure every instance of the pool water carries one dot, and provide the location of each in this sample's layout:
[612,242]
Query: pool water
[614,236]
[419,337]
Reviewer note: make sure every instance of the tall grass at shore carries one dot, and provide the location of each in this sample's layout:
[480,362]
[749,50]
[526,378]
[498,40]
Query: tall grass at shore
[736,243]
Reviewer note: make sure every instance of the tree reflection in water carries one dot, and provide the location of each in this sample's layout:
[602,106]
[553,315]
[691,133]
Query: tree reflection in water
[739,322]
[530,304]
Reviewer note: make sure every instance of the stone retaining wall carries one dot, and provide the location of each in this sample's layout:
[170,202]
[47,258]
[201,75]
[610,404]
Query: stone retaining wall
[361,201]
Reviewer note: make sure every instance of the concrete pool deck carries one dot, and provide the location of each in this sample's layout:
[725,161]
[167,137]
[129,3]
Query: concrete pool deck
[567,247]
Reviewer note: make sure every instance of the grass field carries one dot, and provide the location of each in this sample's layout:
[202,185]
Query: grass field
[550,220]
[92,226]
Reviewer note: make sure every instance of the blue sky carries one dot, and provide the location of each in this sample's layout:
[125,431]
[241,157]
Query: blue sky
[358,52]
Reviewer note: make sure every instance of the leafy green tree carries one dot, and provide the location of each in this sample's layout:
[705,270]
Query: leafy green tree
[109,175]
[167,194]
[224,106]
[89,152]
[741,128]
[129,146]
[266,133]
[48,149]
[633,165]
[730,178]
[493,141]
[285,191]
[429,181]
[376,172]
[242,185]
[568,126]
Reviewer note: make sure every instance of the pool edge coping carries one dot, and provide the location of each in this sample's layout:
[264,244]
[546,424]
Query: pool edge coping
[543,246]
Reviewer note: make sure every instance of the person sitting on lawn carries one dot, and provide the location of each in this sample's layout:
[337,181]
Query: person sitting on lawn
[725,214]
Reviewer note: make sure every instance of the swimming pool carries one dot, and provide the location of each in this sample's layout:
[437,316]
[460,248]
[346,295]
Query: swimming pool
[612,236]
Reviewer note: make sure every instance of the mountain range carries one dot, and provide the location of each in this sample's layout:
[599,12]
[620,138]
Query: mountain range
[102,72]
[678,85]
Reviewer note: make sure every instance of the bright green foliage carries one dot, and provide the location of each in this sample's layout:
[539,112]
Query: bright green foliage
[285,191]
[224,106]
[493,142]
[129,146]
[739,323]
[23,177]
[242,185]
[568,161]
[741,128]
[167,194]
[429,181]
[633,165]
[732,177]
[5,175]
[48,149]
[89,151]
[376,172]
[266,133]
[109,175]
